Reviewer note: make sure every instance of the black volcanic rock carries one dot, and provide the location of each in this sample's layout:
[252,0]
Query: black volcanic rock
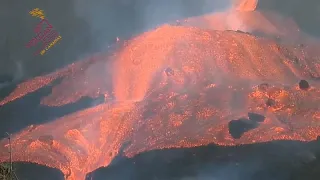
[169,71]
[256,117]
[270,102]
[263,86]
[304,85]
[238,127]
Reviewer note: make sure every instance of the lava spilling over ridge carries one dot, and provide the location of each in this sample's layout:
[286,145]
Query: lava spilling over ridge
[175,87]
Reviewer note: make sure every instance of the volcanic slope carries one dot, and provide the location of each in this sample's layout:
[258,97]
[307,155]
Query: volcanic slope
[74,70]
[205,55]
[181,87]
[260,22]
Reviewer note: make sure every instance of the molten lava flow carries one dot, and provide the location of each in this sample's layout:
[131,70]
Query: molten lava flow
[34,84]
[180,87]
[76,144]
[86,79]
[245,5]
[266,23]
[207,55]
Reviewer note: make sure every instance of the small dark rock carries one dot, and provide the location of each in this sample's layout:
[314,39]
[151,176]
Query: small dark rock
[304,85]
[148,114]
[239,31]
[169,72]
[263,86]
[48,139]
[270,102]
[238,127]
[256,117]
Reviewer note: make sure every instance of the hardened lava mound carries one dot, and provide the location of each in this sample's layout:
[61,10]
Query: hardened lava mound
[176,87]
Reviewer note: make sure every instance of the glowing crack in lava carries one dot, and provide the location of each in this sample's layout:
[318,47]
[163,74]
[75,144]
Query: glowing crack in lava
[179,87]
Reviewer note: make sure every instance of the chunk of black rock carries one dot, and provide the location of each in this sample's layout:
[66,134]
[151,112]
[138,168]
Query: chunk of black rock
[270,102]
[256,117]
[48,139]
[169,72]
[263,87]
[304,85]
[238,127]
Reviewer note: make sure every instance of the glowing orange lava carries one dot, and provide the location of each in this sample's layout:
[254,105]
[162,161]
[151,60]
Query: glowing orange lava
[175,87]
[36,83]
[245,5]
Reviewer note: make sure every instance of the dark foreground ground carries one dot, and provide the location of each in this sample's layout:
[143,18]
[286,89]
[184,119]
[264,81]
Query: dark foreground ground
[281,160]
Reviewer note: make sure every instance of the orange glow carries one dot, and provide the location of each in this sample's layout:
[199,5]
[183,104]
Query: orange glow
[267,23]
[246,5]
[36,83]
[215,77]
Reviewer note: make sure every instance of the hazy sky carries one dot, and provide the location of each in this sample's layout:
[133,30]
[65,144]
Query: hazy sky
[85,26]
[88,26]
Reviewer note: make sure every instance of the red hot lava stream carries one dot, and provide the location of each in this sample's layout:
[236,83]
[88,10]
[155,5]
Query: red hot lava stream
[177,87]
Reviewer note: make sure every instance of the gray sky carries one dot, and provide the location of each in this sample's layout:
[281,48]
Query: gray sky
[88,26]
[85,26]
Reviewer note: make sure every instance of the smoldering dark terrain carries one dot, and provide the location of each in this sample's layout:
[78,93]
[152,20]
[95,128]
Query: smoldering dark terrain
[279,160]
[90,26]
